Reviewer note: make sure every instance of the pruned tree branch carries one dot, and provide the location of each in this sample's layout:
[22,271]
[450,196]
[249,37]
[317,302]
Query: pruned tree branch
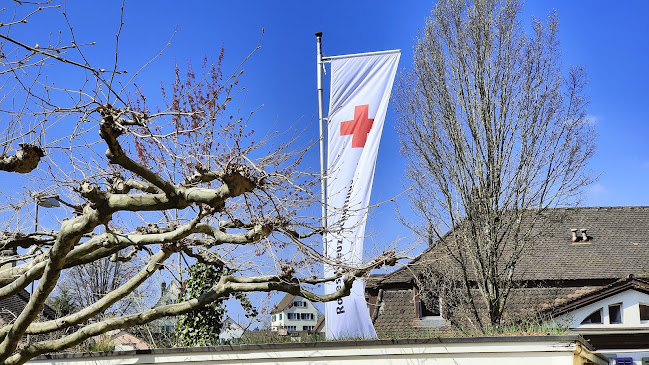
[24,161]
[188,181]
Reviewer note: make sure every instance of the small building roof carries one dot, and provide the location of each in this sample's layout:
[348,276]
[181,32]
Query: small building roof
[288,299]
[592,296]
[12,306]
[320,324]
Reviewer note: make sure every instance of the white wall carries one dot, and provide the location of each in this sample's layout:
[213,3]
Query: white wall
[541,350]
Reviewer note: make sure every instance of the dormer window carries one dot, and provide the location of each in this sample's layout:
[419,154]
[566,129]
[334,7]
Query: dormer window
[428,310]
[429,305]
[593,318]
[615,313]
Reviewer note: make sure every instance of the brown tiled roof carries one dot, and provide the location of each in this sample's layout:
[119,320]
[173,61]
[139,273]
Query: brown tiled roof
[373,279]
[398,317]
[319,325]
[618,245]
[531,302]
[11,307]
[639,284]
[288,299]
[397,312]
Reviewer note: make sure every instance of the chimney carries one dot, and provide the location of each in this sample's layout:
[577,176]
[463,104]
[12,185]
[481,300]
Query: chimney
[584,236]
[574,235]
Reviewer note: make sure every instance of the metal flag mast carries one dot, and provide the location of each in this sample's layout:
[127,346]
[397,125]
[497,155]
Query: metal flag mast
[322,121]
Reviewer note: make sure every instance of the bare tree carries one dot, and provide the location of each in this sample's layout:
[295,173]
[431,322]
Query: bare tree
[495,135]
[87,284]
[142,184]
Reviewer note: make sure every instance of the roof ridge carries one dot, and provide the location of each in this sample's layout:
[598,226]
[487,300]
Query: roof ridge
[288,298]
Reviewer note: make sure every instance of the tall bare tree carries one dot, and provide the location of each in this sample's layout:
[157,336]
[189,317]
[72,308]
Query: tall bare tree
[142,184]
[495,133]
[86,284]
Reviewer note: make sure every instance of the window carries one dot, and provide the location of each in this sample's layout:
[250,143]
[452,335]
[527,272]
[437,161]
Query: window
[290,328]
[429,306]
[644,312]
[615,313]
[299,303]
[623,361]
[307,328]
[280,316]
[595,317]
[273,318]
[306,316]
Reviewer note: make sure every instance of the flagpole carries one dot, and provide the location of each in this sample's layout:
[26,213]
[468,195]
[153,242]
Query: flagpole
[321,120]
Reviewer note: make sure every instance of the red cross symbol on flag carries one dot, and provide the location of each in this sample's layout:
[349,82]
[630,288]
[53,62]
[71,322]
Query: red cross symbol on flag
[359,127]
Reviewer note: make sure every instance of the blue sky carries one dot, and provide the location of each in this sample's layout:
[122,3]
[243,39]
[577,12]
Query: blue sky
[610,41]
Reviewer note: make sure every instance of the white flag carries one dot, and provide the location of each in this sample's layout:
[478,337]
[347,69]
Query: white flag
[360,91]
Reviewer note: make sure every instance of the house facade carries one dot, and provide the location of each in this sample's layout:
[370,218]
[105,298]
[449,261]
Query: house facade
[614,319]
[587,270]
[294,313]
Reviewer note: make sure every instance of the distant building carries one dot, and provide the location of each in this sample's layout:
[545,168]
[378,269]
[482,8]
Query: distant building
[168,295]
[11,307]
[126,341]
[231,331]
[294,313]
